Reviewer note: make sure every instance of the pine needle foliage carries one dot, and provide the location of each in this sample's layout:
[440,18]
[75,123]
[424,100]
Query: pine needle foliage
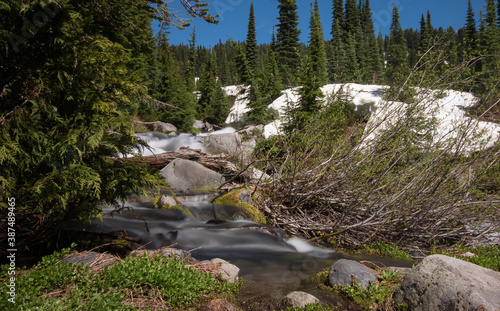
[68,94]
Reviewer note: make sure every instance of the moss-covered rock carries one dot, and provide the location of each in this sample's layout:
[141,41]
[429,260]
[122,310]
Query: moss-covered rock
[233,198]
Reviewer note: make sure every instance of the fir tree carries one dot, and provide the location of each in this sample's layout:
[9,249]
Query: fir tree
[191,66]
[491,38]
[470,31]
[171,88]
[288,40]
[338,16]
[257,104]
[251,42]
[498,13]
[352,73]
[397,54]
[351,21]
[213,105]
[243,66]
[317,53]
[272,84]
[338,60]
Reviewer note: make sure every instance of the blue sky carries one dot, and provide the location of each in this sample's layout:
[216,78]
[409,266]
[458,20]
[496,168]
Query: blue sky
[233,20]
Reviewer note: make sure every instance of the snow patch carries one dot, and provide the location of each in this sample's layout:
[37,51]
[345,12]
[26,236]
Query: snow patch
[447,108]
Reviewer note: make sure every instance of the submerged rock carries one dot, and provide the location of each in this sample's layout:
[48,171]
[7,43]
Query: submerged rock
[444,283]
[301,299]
[343,272]
[186,175]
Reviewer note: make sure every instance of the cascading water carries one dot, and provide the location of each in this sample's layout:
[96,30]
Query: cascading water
[264,254]
[160,143]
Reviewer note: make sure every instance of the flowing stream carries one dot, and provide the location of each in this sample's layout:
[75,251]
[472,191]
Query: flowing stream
[264,254]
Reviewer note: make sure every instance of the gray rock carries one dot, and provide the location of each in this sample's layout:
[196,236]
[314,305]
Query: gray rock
[227,271]
[228,143]
[209,127]
[199,124]
[167,201]
[444,283]
[245,197]
[301,299]
[218,305]
[164,127]
[343,271]
[185,175]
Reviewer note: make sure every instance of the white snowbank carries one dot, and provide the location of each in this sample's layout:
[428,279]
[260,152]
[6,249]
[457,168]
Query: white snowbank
[448,109]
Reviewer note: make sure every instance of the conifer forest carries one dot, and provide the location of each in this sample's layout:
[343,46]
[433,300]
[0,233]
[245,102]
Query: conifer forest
[76,77]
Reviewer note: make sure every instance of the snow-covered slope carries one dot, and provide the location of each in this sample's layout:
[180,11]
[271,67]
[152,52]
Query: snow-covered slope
[447,109]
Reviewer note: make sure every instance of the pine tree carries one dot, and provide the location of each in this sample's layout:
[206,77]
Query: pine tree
[498,13]
[371,49]
[352,73]
[317,53]
[351,21]
[397,54]
[491,35]
[172,89]
[338,60]
[213,105]
[251,42]
[470,32]
[272,84]
[191,66]
[243,66]
[288,41]
[338,16]
[257,104]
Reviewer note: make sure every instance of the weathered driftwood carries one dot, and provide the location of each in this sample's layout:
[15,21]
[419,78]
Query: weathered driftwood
[215,162]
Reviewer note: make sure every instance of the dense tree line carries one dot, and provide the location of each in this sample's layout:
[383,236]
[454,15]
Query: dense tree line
[353,54]
[73,75]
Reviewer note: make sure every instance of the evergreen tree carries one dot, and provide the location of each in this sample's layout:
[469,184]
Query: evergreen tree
[257,104]
[351,21]
[352,73]
[288,41]
[67,99]
[338,16]
[191,66]
[498,13]
[243,66]
[171,88]
[213,105]
[338,60]
[317,53]
[470,32]
[397,54]
[272,84]
[251,42]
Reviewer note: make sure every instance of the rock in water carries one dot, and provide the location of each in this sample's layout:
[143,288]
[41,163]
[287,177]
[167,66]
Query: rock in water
[444,283]
[185,175]
[343,271]
[301,299]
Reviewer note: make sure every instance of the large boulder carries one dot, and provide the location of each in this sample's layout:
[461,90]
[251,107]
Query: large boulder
[343,271]
[159,126]
[234,144]
[444,283]
[185,175]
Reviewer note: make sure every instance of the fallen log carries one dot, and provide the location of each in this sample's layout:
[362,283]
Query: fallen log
[215,162]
